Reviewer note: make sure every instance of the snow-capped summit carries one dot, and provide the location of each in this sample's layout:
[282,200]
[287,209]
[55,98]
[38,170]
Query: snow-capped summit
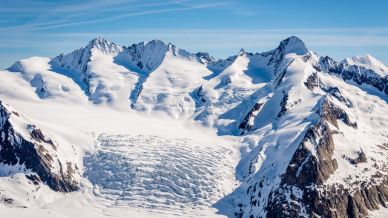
[148,55]
[369,62]
[241,52]
[103,45]
[204,57]
[79,59]
[290,46]
[293,45]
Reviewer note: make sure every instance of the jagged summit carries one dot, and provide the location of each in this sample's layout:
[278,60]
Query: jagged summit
[103,45]
[204,57]
[241,52]
[293,45]
[155,43]
[98,40]
[148,55]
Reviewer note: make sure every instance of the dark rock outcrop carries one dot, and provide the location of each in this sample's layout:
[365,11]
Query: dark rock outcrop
[246,125]
[336,93]
[290,45]
[302,191]
[357,74]
[36,153]
[312,81]
[331,113]
[361,158]
[283,105]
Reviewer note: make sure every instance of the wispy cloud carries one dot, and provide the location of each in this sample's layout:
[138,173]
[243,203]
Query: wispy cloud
[54,16]
[121,16]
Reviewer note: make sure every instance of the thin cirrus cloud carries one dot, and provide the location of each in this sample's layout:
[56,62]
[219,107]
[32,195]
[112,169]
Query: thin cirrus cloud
[54,16]
[155,11]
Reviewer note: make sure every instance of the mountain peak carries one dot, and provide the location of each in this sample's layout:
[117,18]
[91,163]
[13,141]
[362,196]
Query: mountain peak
[103,45]
[241,52]
[363,59]
[98,41]
[293,44]
[156,42]
[152,46]
[369,62]
[204,57]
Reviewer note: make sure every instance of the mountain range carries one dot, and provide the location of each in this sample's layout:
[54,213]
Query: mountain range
[153,130]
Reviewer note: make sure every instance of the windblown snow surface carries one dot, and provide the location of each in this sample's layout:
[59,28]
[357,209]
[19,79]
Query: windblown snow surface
[156,131]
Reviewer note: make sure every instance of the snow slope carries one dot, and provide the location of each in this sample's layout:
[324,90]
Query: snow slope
[368,62]
[191,188]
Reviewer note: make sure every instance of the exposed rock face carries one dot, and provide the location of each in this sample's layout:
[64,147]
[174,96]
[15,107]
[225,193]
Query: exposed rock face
[305,170]
[283,105]
[331,113]
[302,191]
[204,57]
[336,93]
[147,56]
[290,45]
[312,81]
[79,59]
[247,123]
[361,158]
[36,153]
[357,74]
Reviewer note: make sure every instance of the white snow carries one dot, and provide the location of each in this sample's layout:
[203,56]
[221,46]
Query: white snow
[369,62]
[153,172]
[188,167]
[168,86]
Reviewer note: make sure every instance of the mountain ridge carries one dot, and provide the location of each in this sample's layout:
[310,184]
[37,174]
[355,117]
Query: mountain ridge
[310,131]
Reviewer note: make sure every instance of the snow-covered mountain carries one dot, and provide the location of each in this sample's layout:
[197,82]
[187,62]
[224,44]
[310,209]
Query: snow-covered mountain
[154,130]
[368,62]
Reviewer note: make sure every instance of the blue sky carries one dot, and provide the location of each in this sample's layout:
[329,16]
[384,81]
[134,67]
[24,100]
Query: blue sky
[335,28]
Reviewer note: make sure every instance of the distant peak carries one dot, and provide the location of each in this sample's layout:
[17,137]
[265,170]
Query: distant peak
[156,42]
[293,44]
[98,41]
[363,59]
[293,40]
[366,58]
[204,57]
[369,62]
[241,52]
[103,45]
[171,47]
